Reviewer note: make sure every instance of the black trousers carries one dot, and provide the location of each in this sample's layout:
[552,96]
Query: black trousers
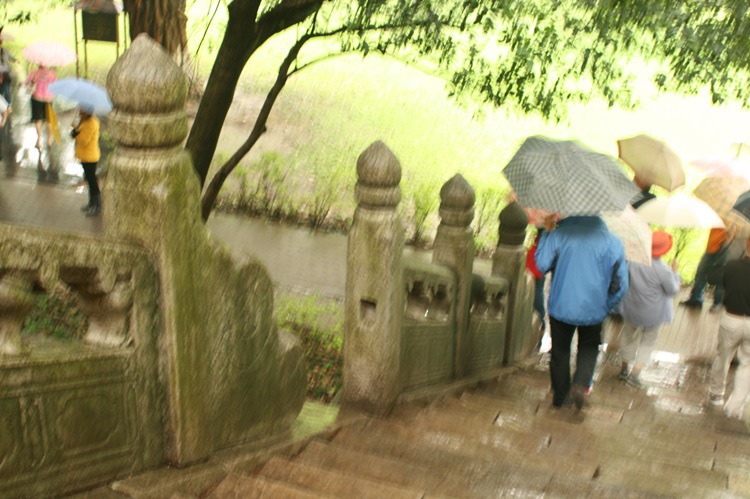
[89,173]
[589,338]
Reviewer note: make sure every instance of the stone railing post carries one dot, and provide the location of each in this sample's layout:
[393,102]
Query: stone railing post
[152,195]
[454,247]
[374,305]
[509,261]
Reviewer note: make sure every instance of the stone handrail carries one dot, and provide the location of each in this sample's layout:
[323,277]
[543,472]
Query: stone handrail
[411,324]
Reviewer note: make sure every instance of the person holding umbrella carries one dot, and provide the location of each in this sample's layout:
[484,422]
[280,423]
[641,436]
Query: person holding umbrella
[734,338]
[590,277]
[86,135]
[40,80]
[589,271]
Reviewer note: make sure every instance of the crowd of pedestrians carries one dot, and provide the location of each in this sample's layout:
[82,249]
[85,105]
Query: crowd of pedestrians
[591,280]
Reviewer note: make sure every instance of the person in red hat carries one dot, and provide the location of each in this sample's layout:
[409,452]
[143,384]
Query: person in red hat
[647,306]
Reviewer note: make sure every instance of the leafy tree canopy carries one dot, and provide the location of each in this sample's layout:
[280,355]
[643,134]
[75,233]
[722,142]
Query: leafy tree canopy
[535,56]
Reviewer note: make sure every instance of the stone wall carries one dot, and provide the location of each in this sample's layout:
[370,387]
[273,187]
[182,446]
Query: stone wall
[77,412]
[410,325]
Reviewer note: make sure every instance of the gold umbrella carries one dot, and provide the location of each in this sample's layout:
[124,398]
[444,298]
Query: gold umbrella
[653,161]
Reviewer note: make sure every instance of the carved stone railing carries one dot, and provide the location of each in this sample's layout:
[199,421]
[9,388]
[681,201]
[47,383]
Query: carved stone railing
[411,325]
[429,332]
[181,357]
[75,411]
[487,324]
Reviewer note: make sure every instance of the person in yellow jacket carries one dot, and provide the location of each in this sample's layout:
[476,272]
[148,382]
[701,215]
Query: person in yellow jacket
[86,135]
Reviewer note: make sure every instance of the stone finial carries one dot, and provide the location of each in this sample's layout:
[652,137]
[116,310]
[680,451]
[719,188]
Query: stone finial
[513,222]
[379,176]
[457,202]
[148,92]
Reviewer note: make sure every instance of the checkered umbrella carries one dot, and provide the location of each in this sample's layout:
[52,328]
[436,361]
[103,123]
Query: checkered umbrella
[566,178]
[721,193]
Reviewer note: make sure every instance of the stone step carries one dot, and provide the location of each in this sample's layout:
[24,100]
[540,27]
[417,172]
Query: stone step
[330,482]
[393,435]
[594,439]
[236,486]
[562,486]
[473,466]
[661,478]
[370,467]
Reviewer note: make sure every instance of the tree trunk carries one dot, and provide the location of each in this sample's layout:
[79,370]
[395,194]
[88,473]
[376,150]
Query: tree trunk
[217,98]
[163,20]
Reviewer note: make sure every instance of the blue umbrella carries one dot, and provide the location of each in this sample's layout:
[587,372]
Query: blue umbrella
[89,96]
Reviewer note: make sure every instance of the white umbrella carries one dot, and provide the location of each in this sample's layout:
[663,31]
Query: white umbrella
[634,233]
[679,211]
[653,161]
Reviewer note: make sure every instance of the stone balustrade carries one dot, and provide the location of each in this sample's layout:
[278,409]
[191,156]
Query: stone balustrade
[412,325]
[181,356]
[95,403]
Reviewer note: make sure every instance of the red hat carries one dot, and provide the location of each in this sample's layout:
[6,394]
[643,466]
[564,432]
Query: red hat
[661,243]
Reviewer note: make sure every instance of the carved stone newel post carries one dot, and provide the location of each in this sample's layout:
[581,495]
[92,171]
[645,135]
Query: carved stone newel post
[151,196]
[374,285]
[454,247]
[509,261]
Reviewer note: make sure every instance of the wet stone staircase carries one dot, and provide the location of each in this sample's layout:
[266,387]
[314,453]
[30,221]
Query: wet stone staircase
[505,439]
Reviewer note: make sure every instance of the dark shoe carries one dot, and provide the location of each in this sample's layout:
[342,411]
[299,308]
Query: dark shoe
[624,373]
[578,393]
[94,210]
[96,207]
[634,381]
[692,303]
[715,399]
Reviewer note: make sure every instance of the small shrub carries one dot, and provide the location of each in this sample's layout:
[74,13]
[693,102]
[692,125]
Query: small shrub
[424,203]
[489,199]
[326,190]
[318,324]
[56,315]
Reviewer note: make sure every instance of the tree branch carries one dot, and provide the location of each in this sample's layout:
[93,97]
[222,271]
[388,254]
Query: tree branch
[282,16]
[212,191]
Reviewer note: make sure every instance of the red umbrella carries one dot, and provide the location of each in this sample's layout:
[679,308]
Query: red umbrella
[49,54]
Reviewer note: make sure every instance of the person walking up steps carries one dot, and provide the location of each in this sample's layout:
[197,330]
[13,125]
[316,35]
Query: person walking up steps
[41,96]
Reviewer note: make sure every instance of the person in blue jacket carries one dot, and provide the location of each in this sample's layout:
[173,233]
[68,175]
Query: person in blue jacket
[589,279]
